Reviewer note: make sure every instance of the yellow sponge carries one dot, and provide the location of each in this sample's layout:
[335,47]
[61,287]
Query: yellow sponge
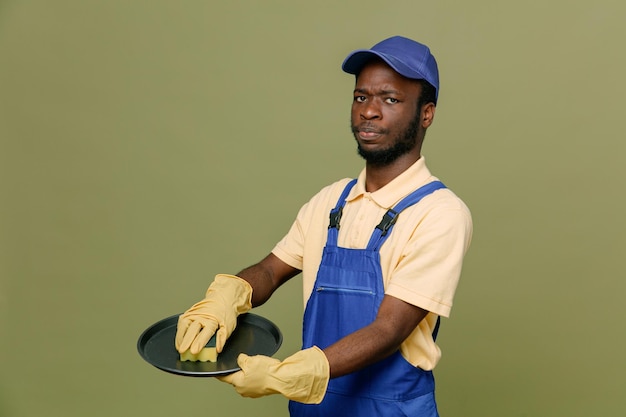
[208,354]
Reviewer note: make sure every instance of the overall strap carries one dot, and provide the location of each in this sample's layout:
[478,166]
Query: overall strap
[381,232]
[335,214]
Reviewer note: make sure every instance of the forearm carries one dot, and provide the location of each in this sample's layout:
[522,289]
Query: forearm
[266,276]
[394,323]
[358,350]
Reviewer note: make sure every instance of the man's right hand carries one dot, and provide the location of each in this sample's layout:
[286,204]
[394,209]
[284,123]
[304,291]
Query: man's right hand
[227,297]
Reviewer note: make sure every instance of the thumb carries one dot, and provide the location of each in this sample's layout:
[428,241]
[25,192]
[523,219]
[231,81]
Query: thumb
[242,360]
[231,378]
[236,377]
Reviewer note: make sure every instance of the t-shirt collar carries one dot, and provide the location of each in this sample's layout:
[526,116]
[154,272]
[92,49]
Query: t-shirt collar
[410,180]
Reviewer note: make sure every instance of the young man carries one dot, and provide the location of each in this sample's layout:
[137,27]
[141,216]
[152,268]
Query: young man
[380,258]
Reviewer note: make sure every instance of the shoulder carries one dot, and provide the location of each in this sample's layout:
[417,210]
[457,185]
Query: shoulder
[329,195]
[442,212]
[446,199]
[444,216]
[316,210]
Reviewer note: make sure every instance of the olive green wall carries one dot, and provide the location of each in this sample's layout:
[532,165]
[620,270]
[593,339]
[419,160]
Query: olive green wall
[147,145]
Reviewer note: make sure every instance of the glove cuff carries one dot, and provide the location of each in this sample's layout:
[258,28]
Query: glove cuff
[320,383]
[311,370]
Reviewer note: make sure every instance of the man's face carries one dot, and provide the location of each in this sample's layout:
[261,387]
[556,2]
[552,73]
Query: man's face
[385,120]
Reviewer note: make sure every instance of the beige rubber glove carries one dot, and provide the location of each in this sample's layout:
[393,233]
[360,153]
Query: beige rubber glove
[227,297]
[302,377]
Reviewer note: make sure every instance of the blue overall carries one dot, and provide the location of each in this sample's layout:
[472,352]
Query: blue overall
[347,294]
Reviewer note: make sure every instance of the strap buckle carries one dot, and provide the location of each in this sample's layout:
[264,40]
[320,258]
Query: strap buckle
[335,216]
[389,219]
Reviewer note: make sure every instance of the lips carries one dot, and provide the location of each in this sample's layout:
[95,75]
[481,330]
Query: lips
[368,132]
[368,135]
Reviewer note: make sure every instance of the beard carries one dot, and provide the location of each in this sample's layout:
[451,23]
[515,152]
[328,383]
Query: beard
[403,143]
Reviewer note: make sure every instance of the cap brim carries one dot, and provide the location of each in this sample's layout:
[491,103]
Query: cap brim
[355,62]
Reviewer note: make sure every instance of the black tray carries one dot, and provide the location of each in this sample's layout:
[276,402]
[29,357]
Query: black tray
[254,335]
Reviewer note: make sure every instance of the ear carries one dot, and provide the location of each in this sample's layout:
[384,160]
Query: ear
[428,114]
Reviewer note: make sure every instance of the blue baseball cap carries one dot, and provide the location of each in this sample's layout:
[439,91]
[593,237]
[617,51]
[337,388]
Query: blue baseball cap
[407,57]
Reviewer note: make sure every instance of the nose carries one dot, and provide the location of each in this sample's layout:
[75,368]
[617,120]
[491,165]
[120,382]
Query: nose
[370,110]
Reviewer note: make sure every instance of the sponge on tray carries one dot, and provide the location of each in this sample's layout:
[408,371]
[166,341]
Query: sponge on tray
[207,354]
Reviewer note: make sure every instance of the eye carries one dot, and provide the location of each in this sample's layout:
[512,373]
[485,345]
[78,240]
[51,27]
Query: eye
[392,100]
[360,99]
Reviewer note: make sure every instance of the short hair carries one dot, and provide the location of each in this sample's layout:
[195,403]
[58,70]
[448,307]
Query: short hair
[427,95]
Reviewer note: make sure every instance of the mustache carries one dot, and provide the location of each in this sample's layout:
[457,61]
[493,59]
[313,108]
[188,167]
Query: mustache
[368,128]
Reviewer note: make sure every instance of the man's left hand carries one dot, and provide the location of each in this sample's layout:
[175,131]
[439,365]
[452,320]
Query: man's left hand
[302,377]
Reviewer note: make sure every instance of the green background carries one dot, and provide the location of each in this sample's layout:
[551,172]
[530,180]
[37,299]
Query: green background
[147,145]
